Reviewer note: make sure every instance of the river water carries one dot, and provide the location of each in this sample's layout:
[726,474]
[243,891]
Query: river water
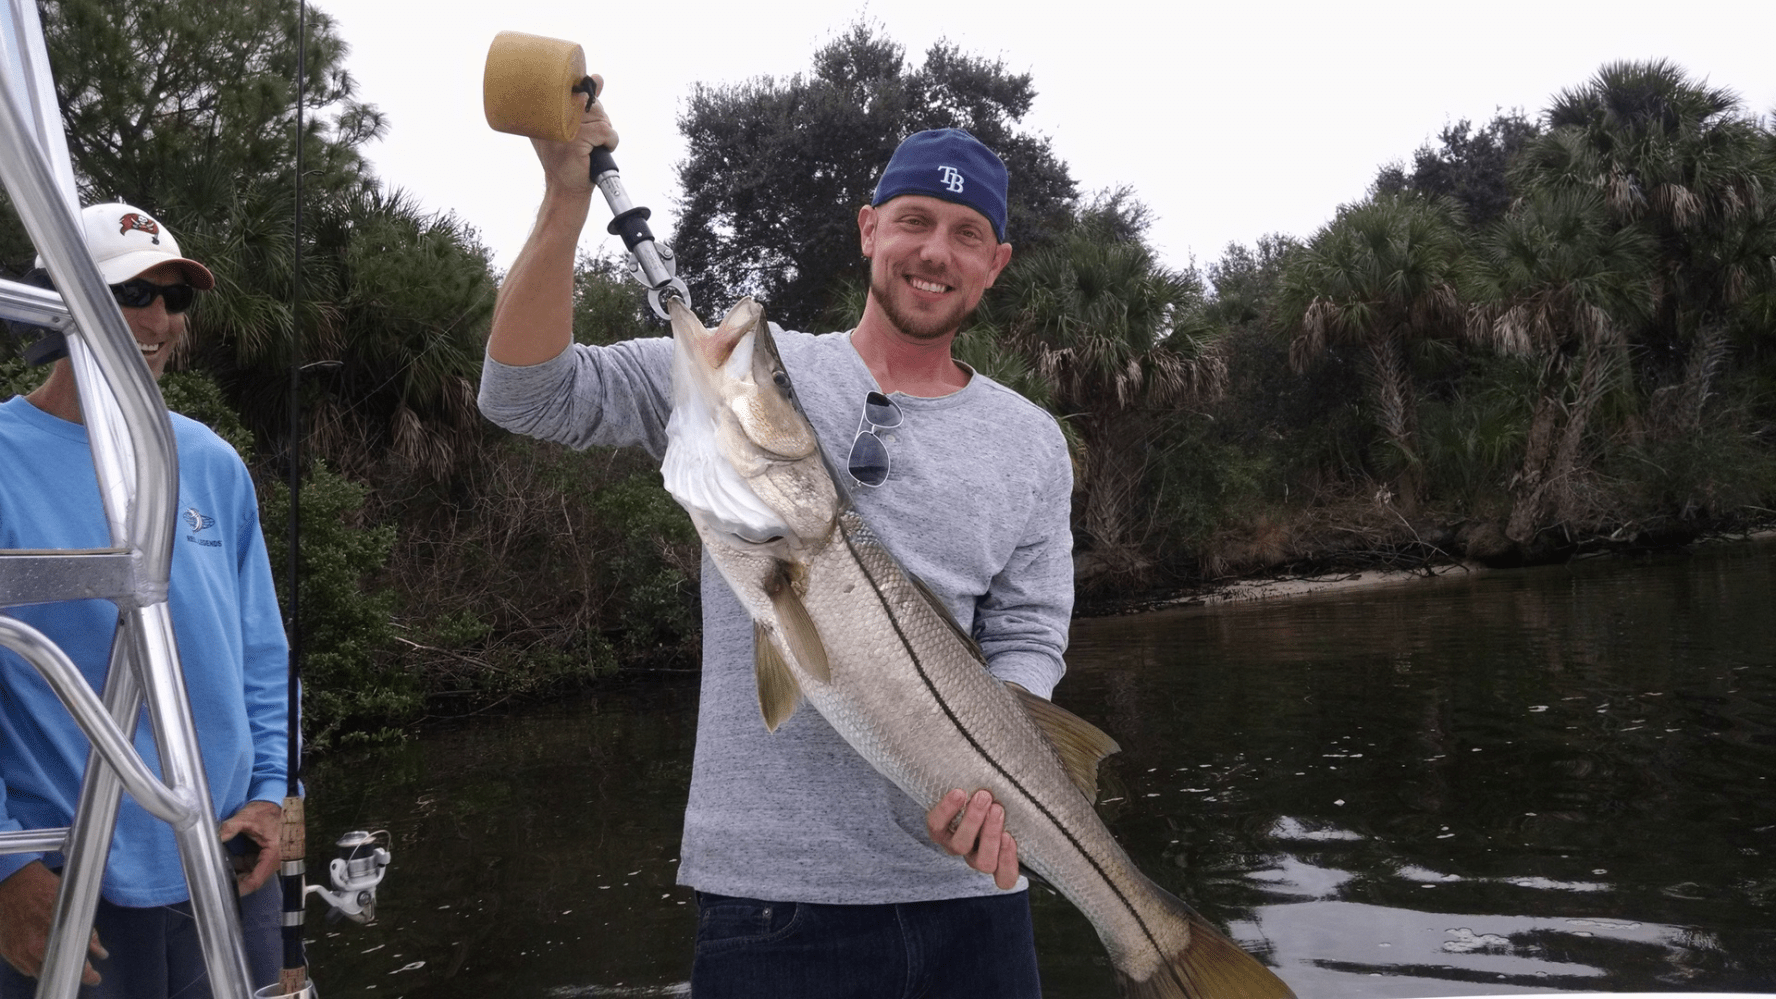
[1546,780]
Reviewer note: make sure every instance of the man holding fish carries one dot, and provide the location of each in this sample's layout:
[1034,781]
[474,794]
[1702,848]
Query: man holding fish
[815,875]
[889,534]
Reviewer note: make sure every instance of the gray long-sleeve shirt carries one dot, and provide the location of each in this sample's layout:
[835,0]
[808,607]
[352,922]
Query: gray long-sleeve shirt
[976,505]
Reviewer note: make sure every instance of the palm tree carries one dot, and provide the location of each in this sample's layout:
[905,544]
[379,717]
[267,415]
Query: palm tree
[1101,332]
[1566,285]
[395,306]
[415,297]
[1384,274]
[1684,163]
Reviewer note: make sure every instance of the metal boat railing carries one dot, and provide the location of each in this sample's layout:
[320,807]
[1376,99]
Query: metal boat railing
[136,465]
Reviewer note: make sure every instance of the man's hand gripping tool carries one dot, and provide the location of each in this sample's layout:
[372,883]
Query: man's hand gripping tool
[533,86]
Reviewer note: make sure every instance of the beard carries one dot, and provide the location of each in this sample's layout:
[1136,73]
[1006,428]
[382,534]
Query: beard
[916,325]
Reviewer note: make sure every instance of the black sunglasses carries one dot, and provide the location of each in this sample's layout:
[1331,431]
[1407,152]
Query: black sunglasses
[869,456]
[139,293]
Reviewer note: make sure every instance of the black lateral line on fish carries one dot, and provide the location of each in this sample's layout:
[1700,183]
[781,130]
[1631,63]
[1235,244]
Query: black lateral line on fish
[937,695]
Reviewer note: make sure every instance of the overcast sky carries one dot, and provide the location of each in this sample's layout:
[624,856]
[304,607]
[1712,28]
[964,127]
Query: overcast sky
[1229,120]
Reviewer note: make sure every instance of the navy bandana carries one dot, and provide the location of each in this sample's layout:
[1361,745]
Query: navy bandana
[950,164]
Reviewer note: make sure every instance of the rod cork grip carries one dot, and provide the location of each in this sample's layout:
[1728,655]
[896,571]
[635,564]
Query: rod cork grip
[527,88]
[293,838]
[293,848]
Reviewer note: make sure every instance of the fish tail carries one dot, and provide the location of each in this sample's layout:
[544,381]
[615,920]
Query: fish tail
[1206,965]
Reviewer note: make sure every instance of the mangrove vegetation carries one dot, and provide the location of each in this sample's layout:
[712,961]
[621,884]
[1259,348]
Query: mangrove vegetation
[1546,334]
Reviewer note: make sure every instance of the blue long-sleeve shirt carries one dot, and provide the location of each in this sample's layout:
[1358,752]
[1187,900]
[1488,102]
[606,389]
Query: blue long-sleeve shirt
[225,620]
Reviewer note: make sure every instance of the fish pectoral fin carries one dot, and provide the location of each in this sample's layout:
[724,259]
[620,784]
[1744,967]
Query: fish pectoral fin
[799,632]
[779,694]
[1081,744]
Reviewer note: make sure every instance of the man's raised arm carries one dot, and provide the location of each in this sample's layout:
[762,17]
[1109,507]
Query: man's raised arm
[533,317]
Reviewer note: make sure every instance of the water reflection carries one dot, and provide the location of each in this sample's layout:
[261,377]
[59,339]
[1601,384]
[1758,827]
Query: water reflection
[1554,780]
[1421,950]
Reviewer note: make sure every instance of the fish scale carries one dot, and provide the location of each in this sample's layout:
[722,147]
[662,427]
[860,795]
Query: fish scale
[911,697]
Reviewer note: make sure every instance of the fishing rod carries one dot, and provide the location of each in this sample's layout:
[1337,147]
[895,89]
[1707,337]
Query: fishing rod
[533,86]
[538,87]
[360,863]
[293,842]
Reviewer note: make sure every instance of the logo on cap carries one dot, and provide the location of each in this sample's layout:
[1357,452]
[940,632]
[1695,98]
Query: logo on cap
[952,179]
[134,220]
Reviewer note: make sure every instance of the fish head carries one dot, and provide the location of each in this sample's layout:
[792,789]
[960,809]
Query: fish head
[741,456]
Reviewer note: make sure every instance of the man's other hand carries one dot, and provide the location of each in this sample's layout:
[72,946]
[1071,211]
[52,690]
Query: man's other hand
[973,827]
[263,823]
[27,904]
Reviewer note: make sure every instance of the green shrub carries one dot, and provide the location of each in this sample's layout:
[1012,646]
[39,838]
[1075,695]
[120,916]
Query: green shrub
[1202,481]
[16,377]
[1716,473]
[196,394]
[538,567]
[465,627]
[1472,440]
[656,598]
[353,690]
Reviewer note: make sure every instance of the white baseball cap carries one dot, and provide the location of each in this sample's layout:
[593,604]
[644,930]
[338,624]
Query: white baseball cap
[125,241]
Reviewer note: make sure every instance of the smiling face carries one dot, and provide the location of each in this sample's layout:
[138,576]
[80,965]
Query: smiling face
[930,262]
[158,333]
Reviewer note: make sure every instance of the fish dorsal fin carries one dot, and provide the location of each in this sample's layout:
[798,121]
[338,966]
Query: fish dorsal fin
[1081,744]
[777,688]
[799,632]
[948,618]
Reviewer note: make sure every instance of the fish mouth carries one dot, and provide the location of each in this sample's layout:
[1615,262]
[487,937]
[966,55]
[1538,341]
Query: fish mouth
[718,350]
[709,366]
[724,350]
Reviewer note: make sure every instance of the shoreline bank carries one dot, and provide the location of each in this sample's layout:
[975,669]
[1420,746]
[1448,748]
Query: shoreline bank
[1283,587]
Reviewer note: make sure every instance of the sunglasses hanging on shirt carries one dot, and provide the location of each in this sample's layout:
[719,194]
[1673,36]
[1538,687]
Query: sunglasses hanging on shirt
[868,463]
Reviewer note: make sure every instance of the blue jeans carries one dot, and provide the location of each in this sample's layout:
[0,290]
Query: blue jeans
[979,948]
[155,953]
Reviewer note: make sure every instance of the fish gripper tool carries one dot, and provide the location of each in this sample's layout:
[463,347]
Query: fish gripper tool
[533,86]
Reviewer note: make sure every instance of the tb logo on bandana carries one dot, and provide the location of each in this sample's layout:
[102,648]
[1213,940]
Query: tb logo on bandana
[952,179]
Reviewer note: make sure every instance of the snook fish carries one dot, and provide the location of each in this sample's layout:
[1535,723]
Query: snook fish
[838,622]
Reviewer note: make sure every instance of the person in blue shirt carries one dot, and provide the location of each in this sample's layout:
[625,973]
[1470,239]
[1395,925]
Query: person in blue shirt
[231,646]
